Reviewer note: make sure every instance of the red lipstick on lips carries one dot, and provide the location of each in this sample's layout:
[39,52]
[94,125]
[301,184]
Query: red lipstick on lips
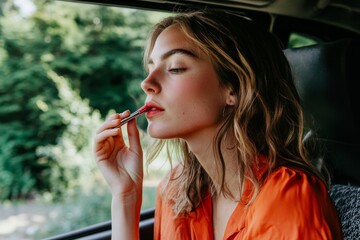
[153,109]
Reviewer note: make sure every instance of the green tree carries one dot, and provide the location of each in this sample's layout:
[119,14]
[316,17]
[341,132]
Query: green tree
[59,67]
[99,49]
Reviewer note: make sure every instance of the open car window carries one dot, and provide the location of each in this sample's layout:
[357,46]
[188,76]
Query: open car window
[64,68]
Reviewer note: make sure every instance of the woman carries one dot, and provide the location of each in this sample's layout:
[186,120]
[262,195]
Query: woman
[221,90]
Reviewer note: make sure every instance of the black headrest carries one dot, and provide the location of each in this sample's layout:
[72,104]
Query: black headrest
[327,78]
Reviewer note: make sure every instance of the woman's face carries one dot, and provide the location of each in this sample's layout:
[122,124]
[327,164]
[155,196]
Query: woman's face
[183,89]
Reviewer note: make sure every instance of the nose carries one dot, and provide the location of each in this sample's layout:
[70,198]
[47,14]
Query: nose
[150,84]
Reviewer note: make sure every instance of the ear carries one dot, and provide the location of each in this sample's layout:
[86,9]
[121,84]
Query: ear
[230,97]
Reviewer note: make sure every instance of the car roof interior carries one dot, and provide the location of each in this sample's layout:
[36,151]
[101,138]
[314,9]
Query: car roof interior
[341,14]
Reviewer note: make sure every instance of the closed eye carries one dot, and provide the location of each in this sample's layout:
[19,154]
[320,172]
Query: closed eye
[177,70]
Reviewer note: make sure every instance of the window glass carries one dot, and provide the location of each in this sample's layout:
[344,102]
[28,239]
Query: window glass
[64,68]
[301,40]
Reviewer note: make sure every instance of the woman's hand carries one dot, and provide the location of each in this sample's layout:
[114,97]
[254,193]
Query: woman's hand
[121,165]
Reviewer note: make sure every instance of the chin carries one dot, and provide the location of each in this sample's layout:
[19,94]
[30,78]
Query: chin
[158,135]
[161,132]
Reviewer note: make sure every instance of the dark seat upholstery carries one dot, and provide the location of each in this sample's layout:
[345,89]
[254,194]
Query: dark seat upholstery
[347,201]
[327,78]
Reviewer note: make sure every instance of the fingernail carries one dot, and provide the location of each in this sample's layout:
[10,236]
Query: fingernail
[124,112]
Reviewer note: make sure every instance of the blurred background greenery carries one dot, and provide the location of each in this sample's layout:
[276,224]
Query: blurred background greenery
[64,67]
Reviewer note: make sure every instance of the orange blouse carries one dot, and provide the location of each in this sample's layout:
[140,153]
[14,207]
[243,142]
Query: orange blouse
[290,205]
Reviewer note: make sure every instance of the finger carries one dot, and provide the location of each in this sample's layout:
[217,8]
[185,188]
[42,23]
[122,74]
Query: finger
[102,154]
[105,151]
[114,116]
[105,146]
[134,137]
[113,121]
[106,134]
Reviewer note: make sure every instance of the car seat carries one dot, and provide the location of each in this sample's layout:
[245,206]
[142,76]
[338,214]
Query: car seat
[327,78]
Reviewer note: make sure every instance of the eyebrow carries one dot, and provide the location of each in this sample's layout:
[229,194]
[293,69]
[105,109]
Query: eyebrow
[174,51]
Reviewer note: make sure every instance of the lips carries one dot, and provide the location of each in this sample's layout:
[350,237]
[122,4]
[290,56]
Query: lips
[154,106]
[153,109]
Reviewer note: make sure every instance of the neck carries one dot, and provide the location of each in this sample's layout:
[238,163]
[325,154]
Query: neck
[205,152]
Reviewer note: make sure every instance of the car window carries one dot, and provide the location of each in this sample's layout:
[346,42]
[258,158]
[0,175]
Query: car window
[301,40]
[64,68]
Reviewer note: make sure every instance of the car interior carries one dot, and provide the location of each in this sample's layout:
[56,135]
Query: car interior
[326,75]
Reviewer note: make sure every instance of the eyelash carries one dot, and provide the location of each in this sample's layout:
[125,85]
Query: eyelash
[177,70]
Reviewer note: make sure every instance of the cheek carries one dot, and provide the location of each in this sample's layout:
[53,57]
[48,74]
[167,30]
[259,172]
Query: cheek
[191,88]
[199,94]
[191,99]
[183,96]
[201,106]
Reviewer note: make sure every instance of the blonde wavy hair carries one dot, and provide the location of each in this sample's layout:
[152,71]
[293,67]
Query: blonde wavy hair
[267,118]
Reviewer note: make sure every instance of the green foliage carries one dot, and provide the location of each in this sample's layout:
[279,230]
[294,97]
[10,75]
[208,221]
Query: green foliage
[61,70]
[300,40]
[99,49]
